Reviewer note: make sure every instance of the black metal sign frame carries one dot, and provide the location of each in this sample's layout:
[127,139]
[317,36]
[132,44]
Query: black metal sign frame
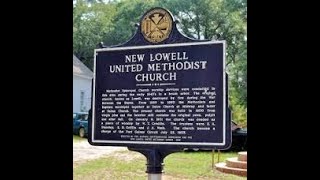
[175,39]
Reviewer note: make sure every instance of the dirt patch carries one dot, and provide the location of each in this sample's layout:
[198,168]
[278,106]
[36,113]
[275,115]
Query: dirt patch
[128,156]
[83,151]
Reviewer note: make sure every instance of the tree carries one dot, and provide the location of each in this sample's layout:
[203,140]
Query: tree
[91,23]
[227,20]
[113,23]
[128,14]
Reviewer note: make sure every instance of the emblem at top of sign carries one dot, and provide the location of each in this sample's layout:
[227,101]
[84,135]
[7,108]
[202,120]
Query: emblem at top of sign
[156,25]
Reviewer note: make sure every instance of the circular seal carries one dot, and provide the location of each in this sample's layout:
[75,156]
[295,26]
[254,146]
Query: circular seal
[156,25]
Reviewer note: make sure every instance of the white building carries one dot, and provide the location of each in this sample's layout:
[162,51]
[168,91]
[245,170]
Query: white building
[82,77]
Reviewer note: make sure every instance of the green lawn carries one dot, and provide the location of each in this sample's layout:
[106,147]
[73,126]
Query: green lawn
[78,139]
[131,165]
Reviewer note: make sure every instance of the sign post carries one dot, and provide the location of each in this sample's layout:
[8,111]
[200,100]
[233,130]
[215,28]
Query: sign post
[160,92]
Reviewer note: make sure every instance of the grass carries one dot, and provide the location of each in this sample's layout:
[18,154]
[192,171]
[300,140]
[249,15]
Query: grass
[115,167]
[193,165]
[131,165]
[78,139]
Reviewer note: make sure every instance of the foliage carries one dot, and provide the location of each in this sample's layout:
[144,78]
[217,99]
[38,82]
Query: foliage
[225,20]
[113,22]
[90,24]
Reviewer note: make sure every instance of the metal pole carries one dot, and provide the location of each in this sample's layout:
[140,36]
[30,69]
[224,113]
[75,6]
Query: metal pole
[154,176]
[212,158]
[155,158]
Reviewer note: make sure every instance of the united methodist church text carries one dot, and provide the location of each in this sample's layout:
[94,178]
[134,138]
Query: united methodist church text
[162,66]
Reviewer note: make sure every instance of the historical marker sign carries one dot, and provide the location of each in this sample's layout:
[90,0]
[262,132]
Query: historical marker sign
[162,94]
